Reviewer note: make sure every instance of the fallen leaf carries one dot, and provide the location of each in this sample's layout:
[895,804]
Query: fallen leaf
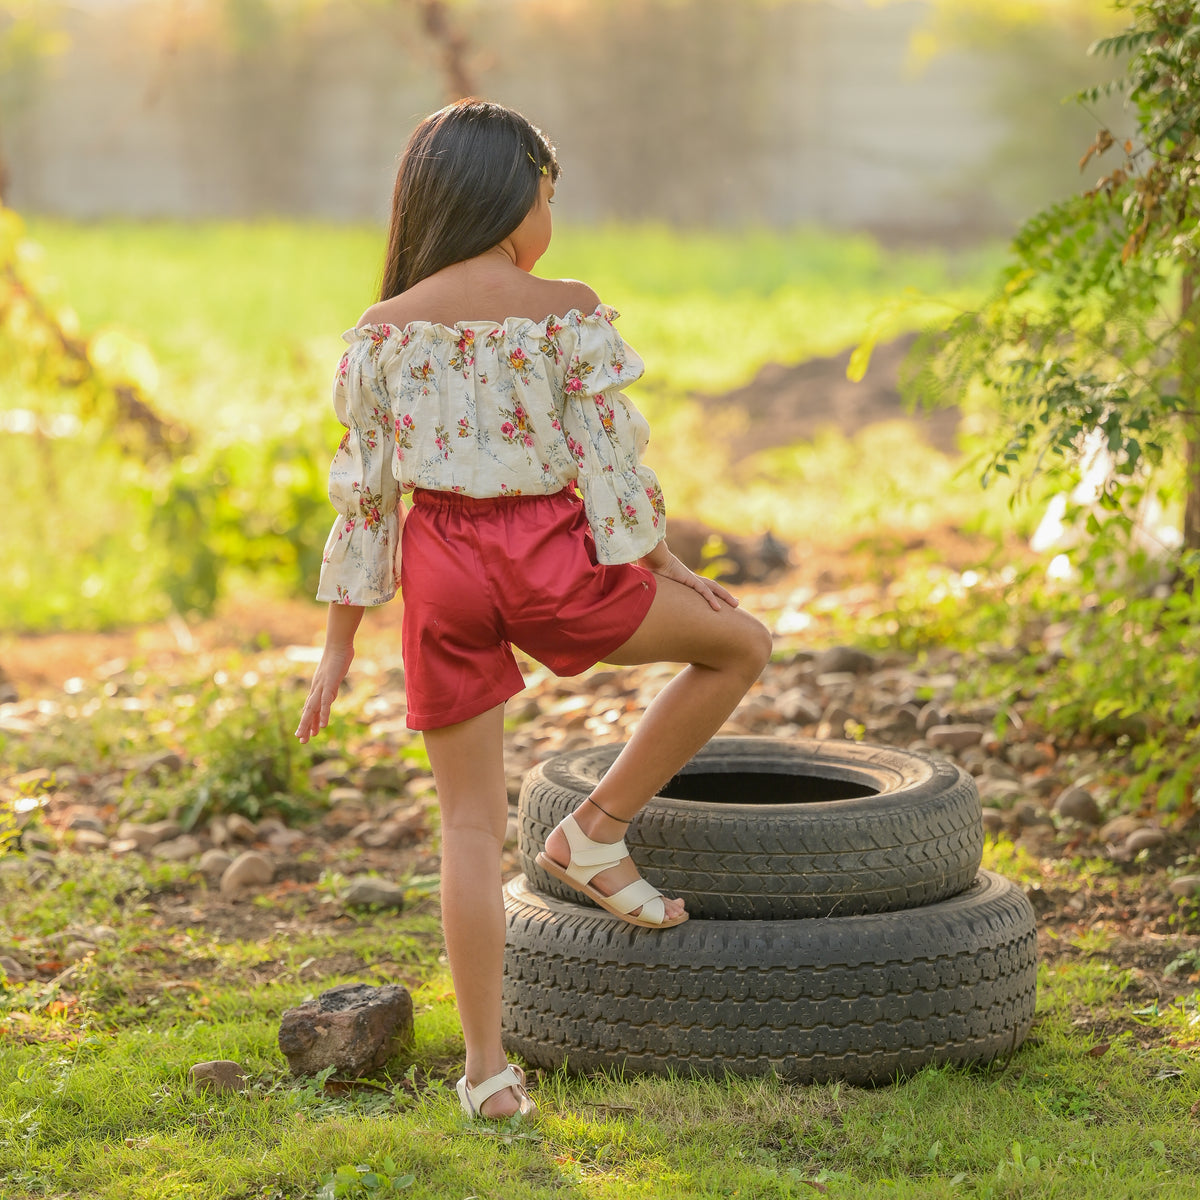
[1096,1051]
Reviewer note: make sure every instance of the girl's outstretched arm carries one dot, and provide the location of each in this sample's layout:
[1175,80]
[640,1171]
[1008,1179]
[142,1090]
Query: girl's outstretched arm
[331,670]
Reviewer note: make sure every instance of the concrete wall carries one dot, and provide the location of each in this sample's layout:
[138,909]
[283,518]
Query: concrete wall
[721,112]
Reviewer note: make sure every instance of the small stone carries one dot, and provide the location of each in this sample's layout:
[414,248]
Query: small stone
[222,1075]
[1027,814]
[330,773]
[122,846]
[354,1028]
[1078,804]
[285,841]
[386,777]
[268,827]
[1001,792]
[149,835]
[1028,756]
[842,681]
[344,795]
[994,768]
[12,971]
[250,869]
[240,828]
[1143,839]
[1119,828]
[88,839]
[86,821]
[798,706]
[928,717]
[993,820]
[213,863]
[1185,885]
[366,891]
[833,723]
[844,658]
[75,951]
[218,831]
[954,737]
[178,849]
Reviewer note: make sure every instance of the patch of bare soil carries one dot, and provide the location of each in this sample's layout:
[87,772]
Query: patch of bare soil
[794,403]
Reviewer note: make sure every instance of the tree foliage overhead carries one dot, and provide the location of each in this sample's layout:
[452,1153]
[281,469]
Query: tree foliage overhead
[1093,327]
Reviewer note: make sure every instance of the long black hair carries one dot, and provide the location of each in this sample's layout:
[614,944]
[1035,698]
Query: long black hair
[468,177]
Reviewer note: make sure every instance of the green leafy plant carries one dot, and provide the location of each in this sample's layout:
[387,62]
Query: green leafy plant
[363,1182]
[1089,345]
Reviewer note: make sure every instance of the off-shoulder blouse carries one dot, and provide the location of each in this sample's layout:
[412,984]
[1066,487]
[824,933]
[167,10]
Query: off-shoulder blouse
[518,407]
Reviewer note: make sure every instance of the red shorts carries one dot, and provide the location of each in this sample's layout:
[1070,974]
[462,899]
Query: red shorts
[481,576]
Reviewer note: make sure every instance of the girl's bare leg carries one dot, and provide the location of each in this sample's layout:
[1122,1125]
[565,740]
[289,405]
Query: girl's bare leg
[468,768]
[726,651]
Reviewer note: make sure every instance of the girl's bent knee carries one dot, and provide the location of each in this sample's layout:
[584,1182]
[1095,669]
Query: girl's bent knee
[759,645]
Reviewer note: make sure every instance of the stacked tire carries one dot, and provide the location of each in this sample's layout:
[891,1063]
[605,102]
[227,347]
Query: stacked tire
[840,925]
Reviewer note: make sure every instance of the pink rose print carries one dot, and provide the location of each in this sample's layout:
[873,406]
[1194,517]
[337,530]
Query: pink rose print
[464,427]
[343,595]
[508,429]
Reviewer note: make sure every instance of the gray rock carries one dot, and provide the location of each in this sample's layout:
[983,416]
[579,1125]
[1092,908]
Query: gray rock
[221,1075]
[994,768]
[178,849]
[797,705]
[1027,814]
[993,820]
[1000,792]
[76,950]
[213,863]
[86,821]
[1028,756]
[1185,885]
[218,831]
[837,681]
[366,891]
[928,717]
[13,971]
[1143,839]
[388,777]
[1120,827]
[330,773]
[88,839]
[1078,804]
[844,658]
[240,828]
[149,835]
[954,737]
[354,1028]
[833,722]
[346,795]
[249,870]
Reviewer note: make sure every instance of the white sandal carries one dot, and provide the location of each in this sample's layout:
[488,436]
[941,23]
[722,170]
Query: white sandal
[473,1098]
[588,859]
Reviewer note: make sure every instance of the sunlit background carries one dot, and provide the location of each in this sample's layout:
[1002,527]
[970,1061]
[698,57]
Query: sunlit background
[196,191]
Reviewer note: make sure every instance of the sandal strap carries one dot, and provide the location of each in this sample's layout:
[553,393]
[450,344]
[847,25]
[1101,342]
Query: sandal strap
[640,894]
[588,853]
[482,1092]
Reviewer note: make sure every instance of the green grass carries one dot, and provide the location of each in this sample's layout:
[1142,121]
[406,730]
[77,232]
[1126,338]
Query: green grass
[94,1099]
[234,329]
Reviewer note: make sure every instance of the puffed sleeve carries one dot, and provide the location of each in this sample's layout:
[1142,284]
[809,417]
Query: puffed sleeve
[607,436]
[361,560]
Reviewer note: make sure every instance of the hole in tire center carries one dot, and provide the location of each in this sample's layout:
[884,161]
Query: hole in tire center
[762,787]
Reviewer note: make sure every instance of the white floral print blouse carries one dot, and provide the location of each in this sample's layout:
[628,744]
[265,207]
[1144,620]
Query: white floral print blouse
[516,408]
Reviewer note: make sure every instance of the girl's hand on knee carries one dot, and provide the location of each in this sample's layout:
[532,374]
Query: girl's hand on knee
[667,566]
[331,670]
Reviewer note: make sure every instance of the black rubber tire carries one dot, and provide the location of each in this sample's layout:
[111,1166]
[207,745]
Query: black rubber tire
[917,840]
[864,999]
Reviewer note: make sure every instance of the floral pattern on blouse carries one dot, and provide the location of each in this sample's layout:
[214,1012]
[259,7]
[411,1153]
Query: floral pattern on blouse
[510,408]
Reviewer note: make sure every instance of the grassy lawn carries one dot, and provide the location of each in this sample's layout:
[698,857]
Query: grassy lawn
[1101,1101]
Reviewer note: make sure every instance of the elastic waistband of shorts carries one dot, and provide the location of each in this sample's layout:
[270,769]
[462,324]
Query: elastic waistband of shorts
[432,498]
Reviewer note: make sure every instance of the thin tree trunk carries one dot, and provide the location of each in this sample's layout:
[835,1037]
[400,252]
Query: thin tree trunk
[1190,361]
[456,47]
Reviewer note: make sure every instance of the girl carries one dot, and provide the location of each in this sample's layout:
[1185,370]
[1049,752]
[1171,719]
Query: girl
[493,395]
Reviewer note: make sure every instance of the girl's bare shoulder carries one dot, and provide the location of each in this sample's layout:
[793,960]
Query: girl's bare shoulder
[563,295]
